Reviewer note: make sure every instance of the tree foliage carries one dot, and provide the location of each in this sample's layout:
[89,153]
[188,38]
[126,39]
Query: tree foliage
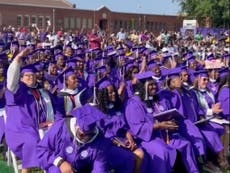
[217,11]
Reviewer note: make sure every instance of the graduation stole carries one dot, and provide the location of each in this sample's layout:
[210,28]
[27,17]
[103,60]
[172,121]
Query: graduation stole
[47,109]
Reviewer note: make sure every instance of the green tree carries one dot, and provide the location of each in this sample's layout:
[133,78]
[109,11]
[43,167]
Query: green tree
[216,11]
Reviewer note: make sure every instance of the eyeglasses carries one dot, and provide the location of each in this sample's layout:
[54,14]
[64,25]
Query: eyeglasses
[204,79]
[28,75]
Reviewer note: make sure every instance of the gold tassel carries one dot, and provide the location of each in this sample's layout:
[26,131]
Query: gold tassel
[167,137]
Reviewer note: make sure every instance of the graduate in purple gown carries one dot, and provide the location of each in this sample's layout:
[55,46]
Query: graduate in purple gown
[213,83]
[115,126]
[77,145]
[155,68]
[224,96]
[146,131]
[181,99]
[72,90]
[224,100]
[28,109]
[207,107]
[157,103]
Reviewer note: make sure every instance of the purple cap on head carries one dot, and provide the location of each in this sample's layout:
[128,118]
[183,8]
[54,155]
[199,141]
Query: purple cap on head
[101,69]
[103,83]
[59,55]
[224,72]
[210,56]
[14,44]
[28,68]
[152,64]
[144,76]
[201,73]
[191,59]
[69,72]
[173,72]
[87,117]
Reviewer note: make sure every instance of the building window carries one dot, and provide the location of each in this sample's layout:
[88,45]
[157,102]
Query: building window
[41,21]
[72,23]
[78,23]
[48,20]
[125,25]
[115,24]
[26,20]
[19,20]
[90,23]
[84,23]
[66,23]
[121,24]
[33,20]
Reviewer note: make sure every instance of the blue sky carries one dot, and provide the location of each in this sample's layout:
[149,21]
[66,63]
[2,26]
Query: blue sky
[163,7]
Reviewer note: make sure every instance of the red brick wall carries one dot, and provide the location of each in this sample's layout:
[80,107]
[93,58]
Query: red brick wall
[111,19]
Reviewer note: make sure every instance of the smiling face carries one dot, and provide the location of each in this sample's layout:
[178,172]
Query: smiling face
[202,82]
[152,87]
[72,82]
[111,93]
[29,78]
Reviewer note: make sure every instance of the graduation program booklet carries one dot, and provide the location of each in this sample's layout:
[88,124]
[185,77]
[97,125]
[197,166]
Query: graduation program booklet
[203,120]
[171,114]
[220,121]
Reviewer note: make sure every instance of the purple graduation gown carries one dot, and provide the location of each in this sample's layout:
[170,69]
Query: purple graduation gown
[224,99]
[182,102]
[22,124]
[176,140]
[211,131]
[214,87]
[141,127]
[99,154]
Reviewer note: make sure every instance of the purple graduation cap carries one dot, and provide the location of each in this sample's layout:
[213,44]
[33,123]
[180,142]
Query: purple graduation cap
[103,83]
[59,55]
[101,69]
[28,68]
[201,73]
[129,44]
[130,64]
[38,66]
[210,56]
[69,72]
[224,72]
[72,63]
[142,77]
[151,64]
[191,59]
[173,72]
[87,117]
[15,44]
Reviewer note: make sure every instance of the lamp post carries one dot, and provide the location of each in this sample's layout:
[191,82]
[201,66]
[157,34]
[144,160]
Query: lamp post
[54,21]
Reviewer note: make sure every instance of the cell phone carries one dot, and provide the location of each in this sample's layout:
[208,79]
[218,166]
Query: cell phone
[48,22]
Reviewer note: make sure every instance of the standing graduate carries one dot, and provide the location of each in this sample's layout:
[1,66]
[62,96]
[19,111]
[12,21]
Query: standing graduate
[77,145]
[28,108]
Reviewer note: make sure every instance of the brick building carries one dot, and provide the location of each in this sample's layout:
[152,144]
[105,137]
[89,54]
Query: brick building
[63,14]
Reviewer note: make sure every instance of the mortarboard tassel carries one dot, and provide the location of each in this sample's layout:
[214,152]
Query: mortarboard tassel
[94,96]
[167,137]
